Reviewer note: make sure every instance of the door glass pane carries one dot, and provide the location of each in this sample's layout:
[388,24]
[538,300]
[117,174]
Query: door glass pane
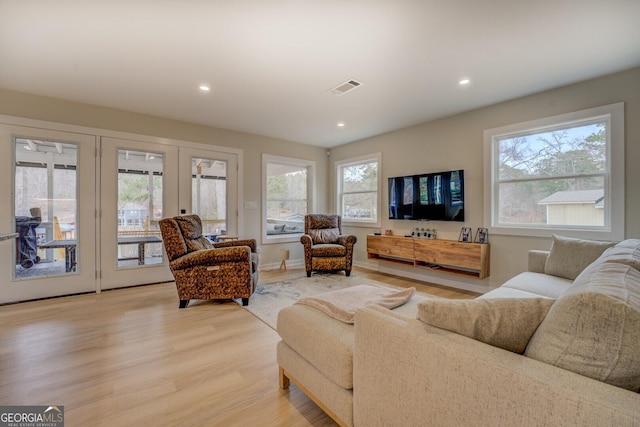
[140,186]
[209,195]
[45,208]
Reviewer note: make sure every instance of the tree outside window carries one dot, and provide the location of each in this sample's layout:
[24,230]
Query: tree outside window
[560,175]
[287,196]
[554,177]
[358,186]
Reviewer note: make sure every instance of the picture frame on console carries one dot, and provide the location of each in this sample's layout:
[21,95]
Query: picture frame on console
[482,236]
[466,234]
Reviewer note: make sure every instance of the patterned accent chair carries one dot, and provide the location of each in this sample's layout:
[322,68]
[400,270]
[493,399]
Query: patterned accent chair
[205,270]
[325,248]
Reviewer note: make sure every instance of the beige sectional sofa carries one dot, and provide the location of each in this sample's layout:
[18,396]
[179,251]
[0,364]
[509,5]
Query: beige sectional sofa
[556,345]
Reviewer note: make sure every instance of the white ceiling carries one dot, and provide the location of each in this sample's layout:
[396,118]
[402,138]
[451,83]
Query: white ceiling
[271,63]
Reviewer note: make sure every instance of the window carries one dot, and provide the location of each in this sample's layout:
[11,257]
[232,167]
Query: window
[358,183]
[287,197]
[559,174]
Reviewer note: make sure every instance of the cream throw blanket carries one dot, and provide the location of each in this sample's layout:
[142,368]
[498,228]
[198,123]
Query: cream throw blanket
[342,304]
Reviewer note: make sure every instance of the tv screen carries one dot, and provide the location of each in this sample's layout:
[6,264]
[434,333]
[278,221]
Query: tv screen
[431,196]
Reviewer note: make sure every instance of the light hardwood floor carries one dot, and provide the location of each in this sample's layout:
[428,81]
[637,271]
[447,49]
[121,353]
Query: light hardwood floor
[131,357]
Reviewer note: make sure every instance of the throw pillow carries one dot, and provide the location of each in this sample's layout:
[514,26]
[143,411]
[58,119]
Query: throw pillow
[507,323]
[593,329]
[324,235]
[568,256]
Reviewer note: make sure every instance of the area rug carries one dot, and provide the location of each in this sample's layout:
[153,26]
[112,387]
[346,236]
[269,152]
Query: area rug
[269,298]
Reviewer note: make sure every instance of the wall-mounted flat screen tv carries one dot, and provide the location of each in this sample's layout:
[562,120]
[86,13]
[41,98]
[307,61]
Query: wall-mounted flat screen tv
[430,196]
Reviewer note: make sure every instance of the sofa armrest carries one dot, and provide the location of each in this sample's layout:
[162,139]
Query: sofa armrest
[537,260]
[409,373]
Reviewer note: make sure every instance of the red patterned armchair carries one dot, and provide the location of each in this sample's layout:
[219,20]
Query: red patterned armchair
[205,270]
[325,248]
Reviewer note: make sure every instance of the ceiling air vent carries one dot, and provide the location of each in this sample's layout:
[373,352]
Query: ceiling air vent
[345,87]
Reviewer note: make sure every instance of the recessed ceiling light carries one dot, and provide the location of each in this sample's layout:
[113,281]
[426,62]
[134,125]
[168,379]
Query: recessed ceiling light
[464,82]
[340,124]
[204,88]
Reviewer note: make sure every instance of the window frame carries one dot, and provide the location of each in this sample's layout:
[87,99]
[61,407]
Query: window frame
[614,178]
[340,165]
[310,165]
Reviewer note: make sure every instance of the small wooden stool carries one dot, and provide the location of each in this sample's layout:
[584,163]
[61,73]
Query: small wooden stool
[284,256]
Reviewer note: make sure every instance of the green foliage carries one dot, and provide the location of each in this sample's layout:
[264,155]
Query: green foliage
[286,193]
[134,188]
[362,177]
[536,166]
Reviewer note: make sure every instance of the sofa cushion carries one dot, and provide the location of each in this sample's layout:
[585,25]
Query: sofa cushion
[507,323]
[568,256]
[540,284]
[593,329]
[504,292]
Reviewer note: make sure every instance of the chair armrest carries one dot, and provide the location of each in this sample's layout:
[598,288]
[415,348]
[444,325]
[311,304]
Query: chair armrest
[306,240]
[537,260]
[212,257]
[347,240]
[231,243]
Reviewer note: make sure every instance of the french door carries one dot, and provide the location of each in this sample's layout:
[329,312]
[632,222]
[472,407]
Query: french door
[209,187]
[48,188]
[144,182]
[138,187]
[86,208]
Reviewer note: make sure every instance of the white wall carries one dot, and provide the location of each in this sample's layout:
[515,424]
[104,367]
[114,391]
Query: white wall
[457,142]
[450,143]
[60,111]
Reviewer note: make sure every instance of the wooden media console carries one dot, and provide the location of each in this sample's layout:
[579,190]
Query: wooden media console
[449,256]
